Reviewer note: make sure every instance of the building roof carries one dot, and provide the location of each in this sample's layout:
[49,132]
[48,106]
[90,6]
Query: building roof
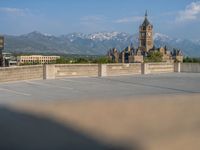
[146,21]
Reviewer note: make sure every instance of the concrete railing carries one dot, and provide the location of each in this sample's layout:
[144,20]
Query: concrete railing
[70,70]
[153,68]
[21,73]
[91,70]
[190,67]
[120,69]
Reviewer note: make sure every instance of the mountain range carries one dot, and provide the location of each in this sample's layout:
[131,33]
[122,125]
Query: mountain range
[91,44]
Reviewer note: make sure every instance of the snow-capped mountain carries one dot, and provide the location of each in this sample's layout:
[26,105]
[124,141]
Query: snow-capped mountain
[94,43]
[74,36]
[161,37]
[189,47]
[100,36]
[196,42]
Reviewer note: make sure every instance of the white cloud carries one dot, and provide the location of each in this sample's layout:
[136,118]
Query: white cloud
[95,23]
[191,12]
[129,19]
[14,11]
[92,19]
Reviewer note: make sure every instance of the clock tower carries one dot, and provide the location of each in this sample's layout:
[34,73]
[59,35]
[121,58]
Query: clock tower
[146,35]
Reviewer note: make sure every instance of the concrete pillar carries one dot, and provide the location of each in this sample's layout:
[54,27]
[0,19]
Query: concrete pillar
[177,67]
[145,68]
[49,72]
[102,70]
[123,57]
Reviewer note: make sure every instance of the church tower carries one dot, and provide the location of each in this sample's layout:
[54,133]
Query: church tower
[146,35]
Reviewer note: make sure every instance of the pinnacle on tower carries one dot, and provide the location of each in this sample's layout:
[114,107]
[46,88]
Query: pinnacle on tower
[146,21]
[146,15]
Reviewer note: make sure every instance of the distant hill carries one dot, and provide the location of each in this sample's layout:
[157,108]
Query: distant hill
[90,44]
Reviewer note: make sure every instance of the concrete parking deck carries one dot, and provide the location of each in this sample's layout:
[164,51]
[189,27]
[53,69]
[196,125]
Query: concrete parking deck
[69,89]
[140,112]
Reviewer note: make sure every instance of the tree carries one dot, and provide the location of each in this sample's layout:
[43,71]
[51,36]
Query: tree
[191,60]
[154,57]
[81,61]
[62,61]
[102,60]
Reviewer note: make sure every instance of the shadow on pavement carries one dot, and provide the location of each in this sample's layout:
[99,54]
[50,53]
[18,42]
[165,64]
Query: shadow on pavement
[19,131]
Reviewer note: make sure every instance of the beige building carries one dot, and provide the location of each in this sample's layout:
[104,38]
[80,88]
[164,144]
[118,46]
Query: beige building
[145,48]
[36,59]
[146,35]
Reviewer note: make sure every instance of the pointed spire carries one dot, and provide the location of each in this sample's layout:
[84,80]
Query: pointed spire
[146,15]
[146,21]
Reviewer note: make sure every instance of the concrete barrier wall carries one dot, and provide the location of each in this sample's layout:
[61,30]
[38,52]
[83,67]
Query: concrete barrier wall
[153,68]
[76,70]
[92,70]
[123,69]
[21,73]
[190,67]
[177,67]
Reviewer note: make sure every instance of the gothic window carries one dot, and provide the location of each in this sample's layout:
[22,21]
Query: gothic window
[143,43]
[143,34]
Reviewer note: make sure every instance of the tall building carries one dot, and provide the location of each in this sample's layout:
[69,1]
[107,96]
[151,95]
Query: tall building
[146,48]
[146,35]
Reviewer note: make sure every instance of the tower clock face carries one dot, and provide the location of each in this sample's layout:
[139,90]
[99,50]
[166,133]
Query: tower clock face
[149,34]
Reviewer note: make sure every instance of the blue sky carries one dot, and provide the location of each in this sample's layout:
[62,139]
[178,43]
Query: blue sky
[176,18]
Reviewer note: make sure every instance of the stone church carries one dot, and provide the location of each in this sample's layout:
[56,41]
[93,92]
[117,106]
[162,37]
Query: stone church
[146,46]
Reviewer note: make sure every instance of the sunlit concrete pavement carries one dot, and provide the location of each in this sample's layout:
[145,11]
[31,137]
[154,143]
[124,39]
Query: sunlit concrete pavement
[141,112]
[69,89]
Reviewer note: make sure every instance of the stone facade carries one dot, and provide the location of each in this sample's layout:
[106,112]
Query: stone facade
[146,35]
[177,55]
[36,59]
[146,46]
[113,54]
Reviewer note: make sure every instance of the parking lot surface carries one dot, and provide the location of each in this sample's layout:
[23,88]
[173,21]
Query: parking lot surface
[70,89]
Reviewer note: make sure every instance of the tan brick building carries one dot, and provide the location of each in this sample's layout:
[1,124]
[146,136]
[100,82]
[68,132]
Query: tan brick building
[145,48]
[37,59]
[146,35]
